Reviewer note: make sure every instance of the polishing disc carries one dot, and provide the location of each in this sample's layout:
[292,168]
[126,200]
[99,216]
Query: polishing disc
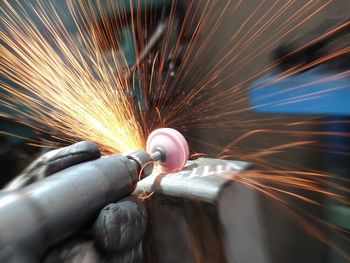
[174,147]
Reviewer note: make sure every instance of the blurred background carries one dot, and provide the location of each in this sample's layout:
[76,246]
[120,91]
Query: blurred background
[287,241]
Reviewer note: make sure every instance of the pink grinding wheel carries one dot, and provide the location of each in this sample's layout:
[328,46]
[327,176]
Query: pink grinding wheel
[174,146]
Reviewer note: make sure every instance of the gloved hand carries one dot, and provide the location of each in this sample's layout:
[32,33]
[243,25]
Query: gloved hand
[115,236]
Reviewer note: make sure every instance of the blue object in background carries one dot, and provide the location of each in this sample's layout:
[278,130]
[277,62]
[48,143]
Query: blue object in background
[315,91]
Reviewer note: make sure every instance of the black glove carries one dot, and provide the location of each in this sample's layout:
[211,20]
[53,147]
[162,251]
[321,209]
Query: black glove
[116,235]
[55,161]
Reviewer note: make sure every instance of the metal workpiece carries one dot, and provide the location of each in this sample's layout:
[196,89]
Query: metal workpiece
[201,179]
[39,215]
[201,214]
